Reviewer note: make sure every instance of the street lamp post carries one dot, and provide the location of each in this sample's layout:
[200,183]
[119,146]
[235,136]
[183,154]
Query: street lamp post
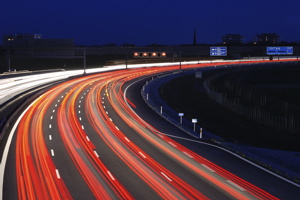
[126,59]
[180,60]
[84,60]
[8,59]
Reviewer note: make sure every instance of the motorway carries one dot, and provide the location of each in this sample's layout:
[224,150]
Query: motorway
[83,140]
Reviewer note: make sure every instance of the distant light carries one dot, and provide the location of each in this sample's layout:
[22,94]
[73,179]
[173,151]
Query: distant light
[154,54]
[145,54]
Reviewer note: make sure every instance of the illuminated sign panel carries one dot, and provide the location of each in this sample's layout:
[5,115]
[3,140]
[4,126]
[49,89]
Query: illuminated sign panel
[218,51]
[279,50]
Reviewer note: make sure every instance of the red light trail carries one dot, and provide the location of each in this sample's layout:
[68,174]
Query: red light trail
[96,99]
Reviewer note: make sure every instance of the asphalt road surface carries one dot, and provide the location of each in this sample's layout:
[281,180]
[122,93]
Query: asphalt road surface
[83,140]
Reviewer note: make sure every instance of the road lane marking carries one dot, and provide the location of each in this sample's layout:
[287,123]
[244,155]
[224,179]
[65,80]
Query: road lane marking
[96,154]
[87,138]
[127,139]
[79,118]
[117,128]
[106,112]
[79,111]
[52,152]
[50,137]
[82,126]
[142,154]
[50,126]
[55,105]
[166,176]
[187,154]
[57,173]
[79,106]
[111,176]
[171,143]
[53,111]
[51,117]
[110,119]
[235,185]
[62,96]
[207,168]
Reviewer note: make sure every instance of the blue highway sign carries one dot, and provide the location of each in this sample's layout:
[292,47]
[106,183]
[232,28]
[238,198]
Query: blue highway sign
[218,51]
[279,50]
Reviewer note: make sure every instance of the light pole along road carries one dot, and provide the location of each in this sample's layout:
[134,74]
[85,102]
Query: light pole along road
[81,140]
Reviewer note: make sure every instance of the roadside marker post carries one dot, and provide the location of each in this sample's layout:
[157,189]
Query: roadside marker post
[180,115]
[200,133]
[194,121]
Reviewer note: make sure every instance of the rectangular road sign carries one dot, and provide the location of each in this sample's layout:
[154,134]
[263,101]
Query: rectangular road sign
[279,50]
[218,51]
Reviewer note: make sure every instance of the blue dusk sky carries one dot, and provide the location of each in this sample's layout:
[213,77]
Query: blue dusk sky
[98,22]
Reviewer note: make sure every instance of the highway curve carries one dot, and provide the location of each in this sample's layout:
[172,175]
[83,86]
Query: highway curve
[82,140]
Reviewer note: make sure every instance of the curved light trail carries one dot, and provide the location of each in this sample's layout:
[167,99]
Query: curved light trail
[85,128]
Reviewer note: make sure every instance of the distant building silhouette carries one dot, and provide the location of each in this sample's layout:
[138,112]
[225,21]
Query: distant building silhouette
[20,40]
[27,44]
[233,39]
[266,39]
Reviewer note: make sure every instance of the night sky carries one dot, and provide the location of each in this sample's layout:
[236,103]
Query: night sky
[99,22]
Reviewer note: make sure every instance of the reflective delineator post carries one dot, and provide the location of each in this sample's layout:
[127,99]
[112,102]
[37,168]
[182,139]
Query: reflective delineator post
[180,115]
[194,121]
[200,133]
